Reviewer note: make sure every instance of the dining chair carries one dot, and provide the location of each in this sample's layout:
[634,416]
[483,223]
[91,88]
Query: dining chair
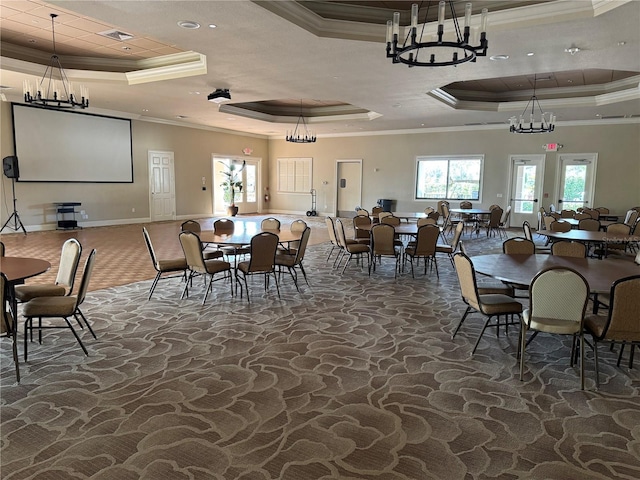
[595,214]
[492,225]
[198,265]
[331,230]
[560,226]
[434,215]
[362,212]
[383,245]
[451,248]
[429,210]
[490,305]
[360,235]
[383,215]
[602,210]
[375,212]
[528,234]
[293,260]
[620,231]
[65,278]
[225,226]
[7,323]
[504,221]
[426,221]
[547,220]
[195,227]
[518,246]
[262,262]
[59,307]
[557,303]
[631,217]
[567,213]
[569,249]
[582,216]
[349,249]
[297,226]
[163,265]
[621,325]
[425,248]
[589,224]
[270,223]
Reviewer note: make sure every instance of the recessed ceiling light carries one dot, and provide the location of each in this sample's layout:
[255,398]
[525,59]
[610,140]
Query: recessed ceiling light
[189,24]
[145,109]
[181,116]
[569,81]
[32,40]
[499,57]
[621,43]
[572,50]
[212,25]
[126,48]
[194,93]
[530,54]
[422,124]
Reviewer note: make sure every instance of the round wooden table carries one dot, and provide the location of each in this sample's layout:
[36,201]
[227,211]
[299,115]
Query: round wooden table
[521,269]
[241,237]
[17,269]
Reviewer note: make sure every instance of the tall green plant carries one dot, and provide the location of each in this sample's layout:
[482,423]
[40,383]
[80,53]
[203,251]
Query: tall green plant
[232,182]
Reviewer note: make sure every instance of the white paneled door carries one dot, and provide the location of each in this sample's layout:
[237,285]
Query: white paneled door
[162,188]
[349,187]
[576,180]
[527,175]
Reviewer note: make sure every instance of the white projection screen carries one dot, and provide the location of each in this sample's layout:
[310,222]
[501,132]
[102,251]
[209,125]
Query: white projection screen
[63,146]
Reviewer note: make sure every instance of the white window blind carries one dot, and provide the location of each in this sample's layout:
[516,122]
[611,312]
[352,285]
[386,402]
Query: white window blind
[294,175]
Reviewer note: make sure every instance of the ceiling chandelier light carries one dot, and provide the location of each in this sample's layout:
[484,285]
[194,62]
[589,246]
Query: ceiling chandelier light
[303,135]
[547,121]
[58,93]
[415,52]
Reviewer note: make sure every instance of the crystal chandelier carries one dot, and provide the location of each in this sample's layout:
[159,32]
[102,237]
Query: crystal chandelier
[58,93]
[303,135]
[546,123]
[415,52]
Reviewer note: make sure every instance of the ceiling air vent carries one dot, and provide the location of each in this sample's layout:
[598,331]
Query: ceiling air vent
[116,35]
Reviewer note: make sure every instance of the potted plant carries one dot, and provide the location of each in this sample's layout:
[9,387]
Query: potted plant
[232,185]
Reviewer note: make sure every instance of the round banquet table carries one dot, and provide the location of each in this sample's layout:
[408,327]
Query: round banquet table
[16,269]
[241,237]
[521,269]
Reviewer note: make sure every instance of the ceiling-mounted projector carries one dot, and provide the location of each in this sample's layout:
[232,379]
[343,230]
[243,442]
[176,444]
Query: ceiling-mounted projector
[219,96]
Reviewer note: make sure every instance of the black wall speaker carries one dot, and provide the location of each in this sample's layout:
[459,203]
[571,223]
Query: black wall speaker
[10,167]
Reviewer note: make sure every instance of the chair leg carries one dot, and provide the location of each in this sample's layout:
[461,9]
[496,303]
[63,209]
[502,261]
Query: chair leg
[78,311]
[486,324]
[304,274]
[461,322]
[76,335]
[153,285]
[581,361]
[523,345]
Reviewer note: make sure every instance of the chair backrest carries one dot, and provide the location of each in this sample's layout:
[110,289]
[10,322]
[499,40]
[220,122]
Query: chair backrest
[467,279]
[263,252]
[589,224]
[558,293]
[560,226]
[5,318]
[595,214]
[526,228]
[191,226]
[555,215]
[495,217]
[331,230]
[518,246]
[375,211]
[426,240]
[582,216]
[637,259]
[426,221]
[298,226]
[618,229]
[1,249]
[152,252]
[192,248]
[457,235]
[340,236]
[86,277]
[382,236]
[631,217]
[270,224]
[624,305]
[548,220]
[362,212]
[359,221]
[435,215]
[223,226]
[566,213]
[491,207]
[569,249]
[69,261]
[382,215]
[429,210]
[602,210]
[302,245]
[505,218]
[466,204]
[391,220]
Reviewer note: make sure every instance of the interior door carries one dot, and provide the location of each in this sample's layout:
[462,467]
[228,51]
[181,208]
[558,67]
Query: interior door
[349,185]
[248,202]
[162,188]
[576,180]
[527,176]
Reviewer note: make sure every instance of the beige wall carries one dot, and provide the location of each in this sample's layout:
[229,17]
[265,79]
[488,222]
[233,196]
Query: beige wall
[389,163]
[113,202]
[617,184]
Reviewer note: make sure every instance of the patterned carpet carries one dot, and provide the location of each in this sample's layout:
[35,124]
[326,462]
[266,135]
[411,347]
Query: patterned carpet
[356,377]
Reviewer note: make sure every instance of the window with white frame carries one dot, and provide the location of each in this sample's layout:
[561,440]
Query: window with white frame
[449,177]
[294,175]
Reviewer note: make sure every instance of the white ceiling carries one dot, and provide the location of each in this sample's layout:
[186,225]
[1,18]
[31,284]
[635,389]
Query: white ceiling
[261,56]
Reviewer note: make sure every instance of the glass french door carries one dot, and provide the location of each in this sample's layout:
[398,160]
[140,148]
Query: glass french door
[577,177]
[248,199]
[527,175]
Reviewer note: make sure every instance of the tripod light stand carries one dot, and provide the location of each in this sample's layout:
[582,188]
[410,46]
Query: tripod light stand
[17,223]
